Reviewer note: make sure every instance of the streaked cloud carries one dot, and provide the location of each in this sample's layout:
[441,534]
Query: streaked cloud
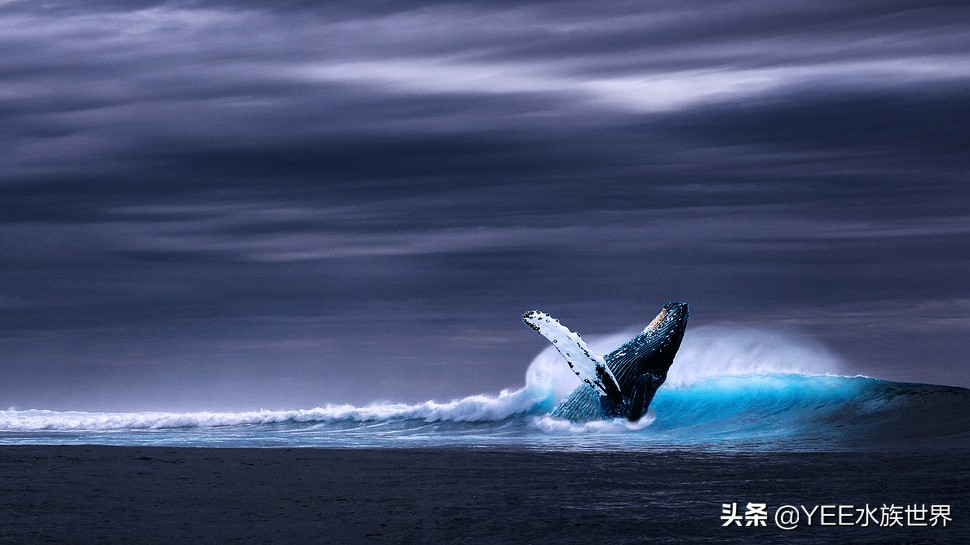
[181,178]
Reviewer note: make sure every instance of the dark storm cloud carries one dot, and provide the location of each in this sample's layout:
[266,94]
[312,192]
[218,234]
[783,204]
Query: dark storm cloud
[246,192]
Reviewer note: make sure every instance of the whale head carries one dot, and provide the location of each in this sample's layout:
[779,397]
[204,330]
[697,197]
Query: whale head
[666,331]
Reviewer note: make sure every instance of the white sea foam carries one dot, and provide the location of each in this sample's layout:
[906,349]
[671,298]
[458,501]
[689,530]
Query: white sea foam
[550,424]
[469,409]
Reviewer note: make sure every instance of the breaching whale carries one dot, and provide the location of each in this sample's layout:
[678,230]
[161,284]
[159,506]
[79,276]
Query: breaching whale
[623,382]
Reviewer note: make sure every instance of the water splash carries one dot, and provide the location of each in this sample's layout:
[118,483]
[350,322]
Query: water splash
[713,351]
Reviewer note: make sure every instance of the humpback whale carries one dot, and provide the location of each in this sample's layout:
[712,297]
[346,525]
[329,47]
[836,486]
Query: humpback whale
[623,382]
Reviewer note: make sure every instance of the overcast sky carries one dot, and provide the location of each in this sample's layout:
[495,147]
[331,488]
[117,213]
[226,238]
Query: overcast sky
[230,205]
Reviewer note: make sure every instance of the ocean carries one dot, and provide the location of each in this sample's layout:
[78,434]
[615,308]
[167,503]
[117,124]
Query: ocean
[749,427]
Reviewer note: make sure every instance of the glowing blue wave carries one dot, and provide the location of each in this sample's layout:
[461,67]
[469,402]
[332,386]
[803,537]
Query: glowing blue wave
[733,390]
[757,411]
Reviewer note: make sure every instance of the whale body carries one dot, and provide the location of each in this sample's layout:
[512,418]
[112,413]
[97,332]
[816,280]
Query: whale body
[620,384]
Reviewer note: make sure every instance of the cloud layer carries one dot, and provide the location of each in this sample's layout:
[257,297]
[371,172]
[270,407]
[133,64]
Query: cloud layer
[213,204]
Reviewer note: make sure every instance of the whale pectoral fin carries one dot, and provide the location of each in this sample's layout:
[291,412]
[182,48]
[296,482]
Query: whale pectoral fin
[589,367]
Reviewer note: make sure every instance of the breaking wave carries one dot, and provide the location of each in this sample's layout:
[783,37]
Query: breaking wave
[727,388]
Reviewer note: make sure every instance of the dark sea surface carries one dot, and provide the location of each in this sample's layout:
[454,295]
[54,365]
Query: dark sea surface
[88,494]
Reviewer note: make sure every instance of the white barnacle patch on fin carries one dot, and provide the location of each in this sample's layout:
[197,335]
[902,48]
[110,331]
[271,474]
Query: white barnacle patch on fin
[589,367]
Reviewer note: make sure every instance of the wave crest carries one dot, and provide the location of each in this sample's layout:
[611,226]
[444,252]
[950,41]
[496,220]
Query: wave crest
[469,409]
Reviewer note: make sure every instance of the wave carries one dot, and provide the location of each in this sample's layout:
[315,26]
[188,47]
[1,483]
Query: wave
[830,410]
[469,409]
[747,388]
